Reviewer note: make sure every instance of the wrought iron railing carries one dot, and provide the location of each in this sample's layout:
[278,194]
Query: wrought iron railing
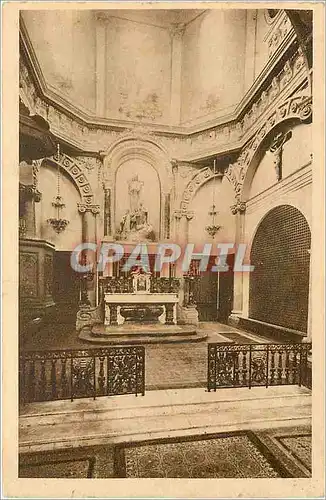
[71,374]
[251,365]
[121,284]
[124,284]
[163,284]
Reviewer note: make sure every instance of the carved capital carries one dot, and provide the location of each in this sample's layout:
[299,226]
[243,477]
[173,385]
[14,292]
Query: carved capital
[177,214]
[94,209]
[189,214]
[29,192]
[239,207]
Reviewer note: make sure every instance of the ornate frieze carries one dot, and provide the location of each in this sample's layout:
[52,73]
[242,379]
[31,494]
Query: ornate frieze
[88,162]
[92,138]
[280,31]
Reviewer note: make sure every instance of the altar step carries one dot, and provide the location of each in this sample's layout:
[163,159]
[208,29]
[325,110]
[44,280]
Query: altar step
[142,334]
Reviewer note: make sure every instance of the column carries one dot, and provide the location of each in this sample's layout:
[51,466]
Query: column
[187,313]
[250,48]
[89,236]
[107,212]
[176,58]
[238,211]
[167,215]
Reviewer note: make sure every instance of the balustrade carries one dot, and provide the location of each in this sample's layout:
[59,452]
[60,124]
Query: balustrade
[70,374]
[252,365]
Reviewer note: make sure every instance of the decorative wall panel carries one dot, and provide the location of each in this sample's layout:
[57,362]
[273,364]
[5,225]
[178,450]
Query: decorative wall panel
[28,272]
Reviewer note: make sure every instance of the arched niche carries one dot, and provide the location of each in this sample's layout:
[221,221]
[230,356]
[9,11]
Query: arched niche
[279,283]
[140,150]
[149,191]
[200,205]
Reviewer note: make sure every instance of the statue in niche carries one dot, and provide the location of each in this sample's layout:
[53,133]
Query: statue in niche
[134,225]
[134,188]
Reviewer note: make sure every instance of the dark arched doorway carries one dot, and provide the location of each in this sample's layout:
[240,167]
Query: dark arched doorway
[279,284]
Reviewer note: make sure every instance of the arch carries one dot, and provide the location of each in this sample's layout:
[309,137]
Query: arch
[146,148]
[197,181]
[77,175]
[240,173]
[140,134]
[279,283]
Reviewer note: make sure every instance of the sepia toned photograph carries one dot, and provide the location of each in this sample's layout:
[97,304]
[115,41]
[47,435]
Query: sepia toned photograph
[165,243]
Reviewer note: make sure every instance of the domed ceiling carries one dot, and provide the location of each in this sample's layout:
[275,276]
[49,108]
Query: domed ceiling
[170,67]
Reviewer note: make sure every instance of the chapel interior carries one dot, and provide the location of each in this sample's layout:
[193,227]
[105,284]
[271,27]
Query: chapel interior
[150,127]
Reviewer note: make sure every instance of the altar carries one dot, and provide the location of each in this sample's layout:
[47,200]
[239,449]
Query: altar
[140,299]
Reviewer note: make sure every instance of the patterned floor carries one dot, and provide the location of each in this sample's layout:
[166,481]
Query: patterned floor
[293,447]
[222,457]
[270,453]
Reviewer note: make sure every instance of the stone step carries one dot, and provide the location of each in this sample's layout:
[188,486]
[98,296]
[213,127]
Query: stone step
[156,411]
[143,329]
[132,339]
[164,414]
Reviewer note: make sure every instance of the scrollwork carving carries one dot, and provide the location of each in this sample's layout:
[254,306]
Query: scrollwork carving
[298,106]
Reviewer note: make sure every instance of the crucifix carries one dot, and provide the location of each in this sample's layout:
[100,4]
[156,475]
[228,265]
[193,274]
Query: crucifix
[277,149]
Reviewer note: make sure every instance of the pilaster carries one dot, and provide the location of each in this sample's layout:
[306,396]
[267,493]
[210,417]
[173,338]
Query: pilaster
[238,210]
[176,32]
[89,213]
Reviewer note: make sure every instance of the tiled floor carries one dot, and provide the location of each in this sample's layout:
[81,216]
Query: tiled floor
[167,365]
[232,454]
